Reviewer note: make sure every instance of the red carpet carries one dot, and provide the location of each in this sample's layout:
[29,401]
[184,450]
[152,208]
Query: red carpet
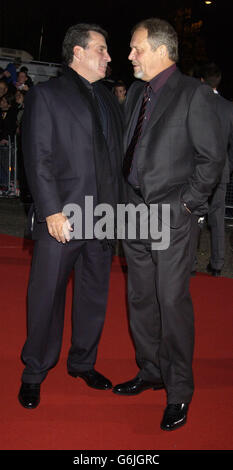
[73,416]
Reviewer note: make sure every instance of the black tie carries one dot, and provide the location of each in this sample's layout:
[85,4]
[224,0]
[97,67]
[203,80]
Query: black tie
[137,132]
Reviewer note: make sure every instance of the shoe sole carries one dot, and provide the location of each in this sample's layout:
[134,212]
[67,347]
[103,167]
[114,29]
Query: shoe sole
[27,407]
[138,393]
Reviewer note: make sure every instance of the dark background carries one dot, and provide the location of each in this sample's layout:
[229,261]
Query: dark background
[21,25]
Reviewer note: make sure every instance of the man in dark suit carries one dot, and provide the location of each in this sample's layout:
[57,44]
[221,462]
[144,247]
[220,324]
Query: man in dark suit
[174,156]
[211,74]
[72,148]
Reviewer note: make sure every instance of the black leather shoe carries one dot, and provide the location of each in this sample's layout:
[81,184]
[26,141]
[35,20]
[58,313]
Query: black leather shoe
[214,272]
[136,386]
[29,395]
[93,379]
[174,416]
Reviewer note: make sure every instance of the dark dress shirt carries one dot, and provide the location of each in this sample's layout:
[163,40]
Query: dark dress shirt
[104,118]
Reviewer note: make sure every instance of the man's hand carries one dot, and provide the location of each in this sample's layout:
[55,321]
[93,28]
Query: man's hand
[59,227]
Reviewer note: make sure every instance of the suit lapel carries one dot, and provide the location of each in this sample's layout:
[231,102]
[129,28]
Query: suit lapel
[167,94]
[77,100]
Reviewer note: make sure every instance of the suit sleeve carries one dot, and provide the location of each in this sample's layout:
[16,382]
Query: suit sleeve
[230,145]
[206,137]
[37,144]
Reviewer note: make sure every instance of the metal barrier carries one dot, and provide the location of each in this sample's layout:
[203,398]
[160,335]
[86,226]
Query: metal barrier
[229,200]
[8,168]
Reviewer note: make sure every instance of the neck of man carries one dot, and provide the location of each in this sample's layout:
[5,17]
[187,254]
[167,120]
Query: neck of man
[75,66]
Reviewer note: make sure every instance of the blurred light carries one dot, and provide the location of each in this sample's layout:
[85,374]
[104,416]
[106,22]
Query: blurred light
[208,2]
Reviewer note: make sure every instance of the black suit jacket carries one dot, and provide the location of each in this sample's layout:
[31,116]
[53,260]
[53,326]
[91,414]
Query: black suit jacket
[60,133]
[181,153]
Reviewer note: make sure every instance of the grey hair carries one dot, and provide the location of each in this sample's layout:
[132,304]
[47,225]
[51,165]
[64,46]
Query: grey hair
[160,32]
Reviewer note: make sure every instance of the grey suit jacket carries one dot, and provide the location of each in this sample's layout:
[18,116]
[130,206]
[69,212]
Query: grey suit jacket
[181,153]
[225,114]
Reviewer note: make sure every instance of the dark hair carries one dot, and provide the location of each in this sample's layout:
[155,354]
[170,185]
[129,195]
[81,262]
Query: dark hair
[119,83]
[211,74]
[10,98]
[78,35]
[2,80]
[22,92]
[160,32]
[24,69]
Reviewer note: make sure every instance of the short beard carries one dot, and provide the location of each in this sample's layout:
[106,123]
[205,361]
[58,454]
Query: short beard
[139,74]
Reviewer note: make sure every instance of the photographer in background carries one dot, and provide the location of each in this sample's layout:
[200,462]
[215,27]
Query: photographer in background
[8,118]
[22,81]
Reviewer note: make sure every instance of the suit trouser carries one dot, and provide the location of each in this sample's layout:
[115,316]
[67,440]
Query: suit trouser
[52,265]
[161,312]
[216,214]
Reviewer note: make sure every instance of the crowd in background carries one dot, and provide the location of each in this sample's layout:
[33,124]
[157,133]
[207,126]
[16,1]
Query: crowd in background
[14,84]
[13,87]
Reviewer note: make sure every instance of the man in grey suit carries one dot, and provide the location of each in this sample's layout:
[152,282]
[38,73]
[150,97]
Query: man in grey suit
[72,146]
[174,155]
[211,74]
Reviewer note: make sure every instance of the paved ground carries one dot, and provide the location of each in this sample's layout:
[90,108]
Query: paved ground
[13,221]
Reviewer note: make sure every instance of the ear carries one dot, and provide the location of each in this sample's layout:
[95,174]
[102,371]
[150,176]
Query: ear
[78,51]
[162,51]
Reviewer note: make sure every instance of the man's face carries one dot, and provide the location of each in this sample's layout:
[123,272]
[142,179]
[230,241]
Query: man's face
[3,104]
[19,98]
[120,92]
[94,58]
[146,62]
[3,89]
[22,77]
